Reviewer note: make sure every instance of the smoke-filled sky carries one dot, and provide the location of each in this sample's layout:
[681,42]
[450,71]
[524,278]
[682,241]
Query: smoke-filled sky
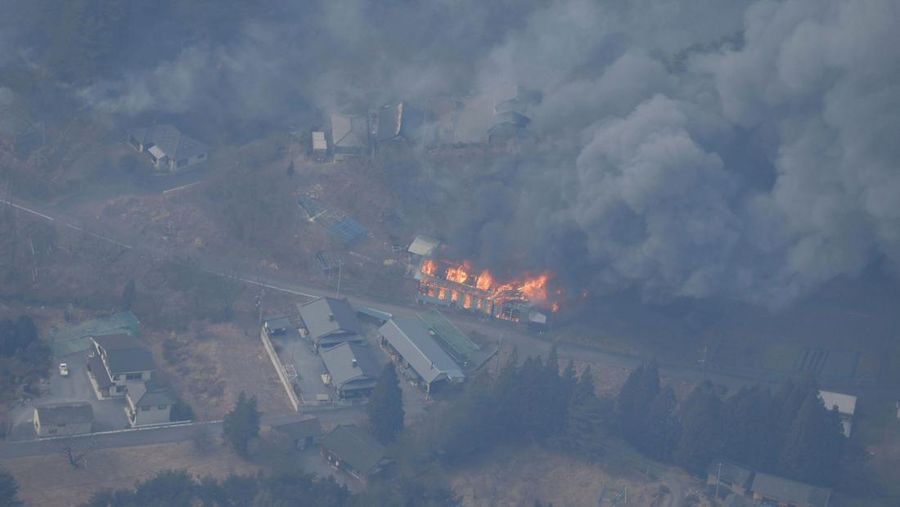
[743,149]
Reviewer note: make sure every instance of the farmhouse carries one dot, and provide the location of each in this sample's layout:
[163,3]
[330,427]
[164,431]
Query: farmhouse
[116,361]
[328,322]
[167,147]
[57,419]
[148,404]
[352,370]
[349,135]
[410,344]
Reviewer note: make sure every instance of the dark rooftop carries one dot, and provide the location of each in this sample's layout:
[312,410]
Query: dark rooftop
[125,354]
[355,447]
[349,362]
[326,316]
[300,429]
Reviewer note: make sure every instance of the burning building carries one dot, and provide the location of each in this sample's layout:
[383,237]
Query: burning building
[449,283]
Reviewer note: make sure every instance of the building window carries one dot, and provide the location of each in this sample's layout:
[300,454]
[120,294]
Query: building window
[120,389]
[134,376]
[116,377]
[162,407]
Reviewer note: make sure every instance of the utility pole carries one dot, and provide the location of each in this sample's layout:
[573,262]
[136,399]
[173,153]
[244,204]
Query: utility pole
[337,293]
[718,476]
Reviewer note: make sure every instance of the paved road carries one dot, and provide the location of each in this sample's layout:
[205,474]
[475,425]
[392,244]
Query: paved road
[162,435]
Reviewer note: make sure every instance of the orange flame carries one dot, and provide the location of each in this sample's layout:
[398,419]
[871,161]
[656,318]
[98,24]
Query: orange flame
[530,288]
[457,274]
[484,281]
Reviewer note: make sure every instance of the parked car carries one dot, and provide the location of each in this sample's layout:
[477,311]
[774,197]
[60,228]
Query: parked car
[63,370]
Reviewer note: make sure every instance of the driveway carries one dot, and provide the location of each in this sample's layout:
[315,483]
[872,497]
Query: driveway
[298,357]
[108,414]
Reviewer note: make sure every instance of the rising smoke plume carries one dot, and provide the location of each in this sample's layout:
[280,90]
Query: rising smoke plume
[737,149]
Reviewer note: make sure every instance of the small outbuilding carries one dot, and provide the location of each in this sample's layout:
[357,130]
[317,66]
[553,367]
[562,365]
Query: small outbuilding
[350,449]
[845,404]
[59,419]
[303,434]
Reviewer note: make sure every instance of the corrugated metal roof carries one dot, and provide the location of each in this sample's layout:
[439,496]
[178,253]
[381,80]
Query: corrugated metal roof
[423,245]
[411,339]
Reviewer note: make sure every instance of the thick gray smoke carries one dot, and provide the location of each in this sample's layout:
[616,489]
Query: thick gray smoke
[738,149]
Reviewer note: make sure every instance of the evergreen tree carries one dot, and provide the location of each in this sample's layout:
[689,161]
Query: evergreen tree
[812,449]
[583,432]
[633,402]
[385,408]
[9,489]
[173,488]
[701,437]
[556,395]
[129,293]
[241,425]
[468,425]
[662,428]
[506,393]
[751,428]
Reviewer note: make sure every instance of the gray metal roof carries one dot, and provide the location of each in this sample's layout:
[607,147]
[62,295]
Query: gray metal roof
[355,447]
[788,491]
[349,362]
[328,316]
[411,339]
[170,140]
[65,413]
[125,354]
[351,132]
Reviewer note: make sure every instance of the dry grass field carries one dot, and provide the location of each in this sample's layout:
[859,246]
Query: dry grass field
[49,481]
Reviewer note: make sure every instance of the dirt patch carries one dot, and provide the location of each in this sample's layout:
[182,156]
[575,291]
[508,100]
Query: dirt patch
[50,481]
[519,477]
[210,364]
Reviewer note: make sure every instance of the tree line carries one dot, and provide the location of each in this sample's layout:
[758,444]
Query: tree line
[788,432]
[24,358]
